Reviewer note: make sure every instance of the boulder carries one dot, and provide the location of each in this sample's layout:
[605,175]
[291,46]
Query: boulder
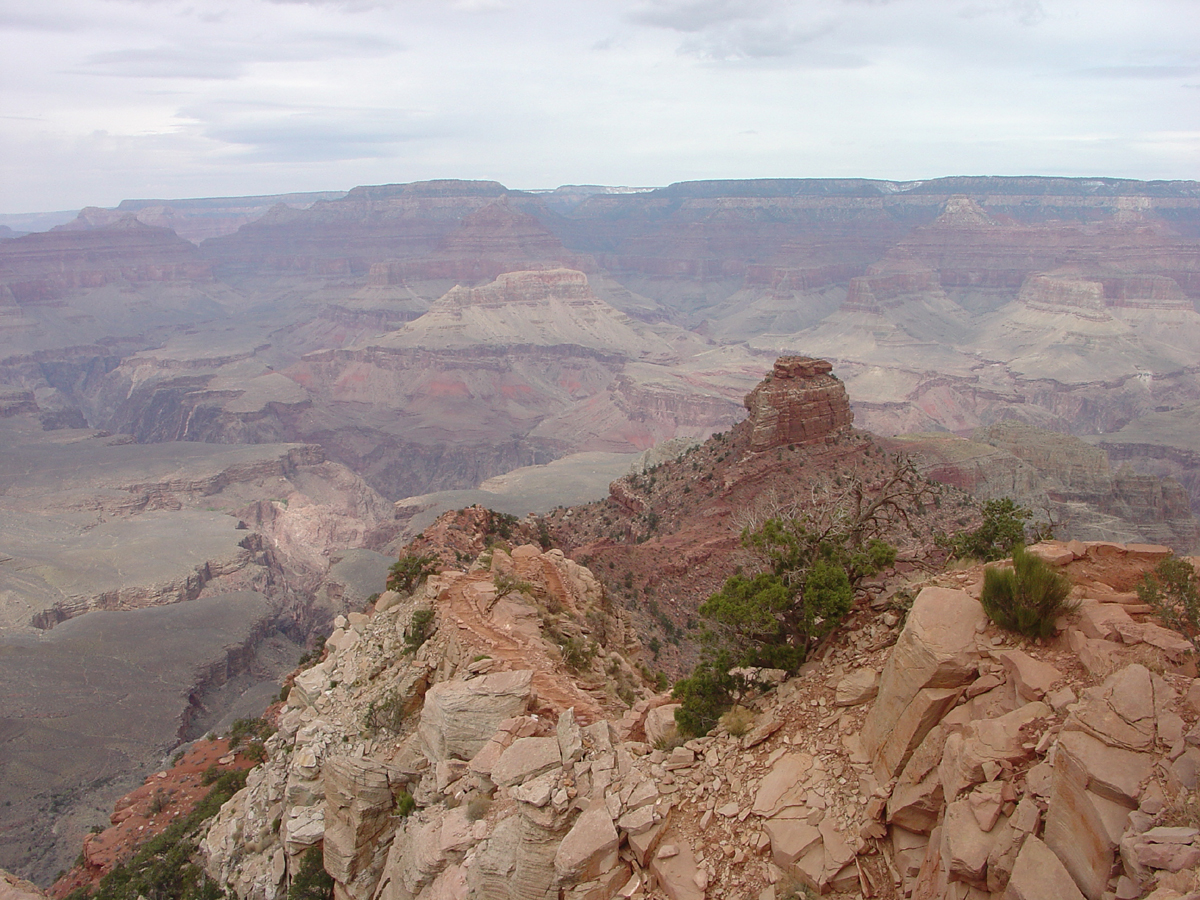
[1120,712]
[526,758]
[415,858]
[660,724]
[784,785]
[791,839]
[965,846]
[517,862]
[1039,875]
[858,687]
[590,847]
[304,828]
[1053,552]
[1103,621]
[908,852]
[1111,772]
[916,801]
[308,686]
[570,737]
[638,821]
[934,657]
[1031,677]
[675,874]
[459,717]
[1009,838]
[358,804]
[1003,740]
[1080,823]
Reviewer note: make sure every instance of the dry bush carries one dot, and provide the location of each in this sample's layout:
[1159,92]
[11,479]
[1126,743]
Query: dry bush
[737,721]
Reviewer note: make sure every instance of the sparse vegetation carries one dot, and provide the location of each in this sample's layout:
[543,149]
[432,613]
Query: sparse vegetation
[1005,525]
[737,721]
[501,524]
[508,583]
[1173,590]
[407,573]
[545,541]
[250,735]
[578,653]
[163,867]
[1026,598]
[160,801]
[405,805]
[419,629]
[477,807]
[311,881]
[386,714]
[814,551]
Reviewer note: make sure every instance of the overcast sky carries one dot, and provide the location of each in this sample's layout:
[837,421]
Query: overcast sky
[111,99]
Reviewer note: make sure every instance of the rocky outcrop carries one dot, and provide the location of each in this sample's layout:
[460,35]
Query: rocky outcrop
[800,402]
[983,766]
[479,726]
[14,888]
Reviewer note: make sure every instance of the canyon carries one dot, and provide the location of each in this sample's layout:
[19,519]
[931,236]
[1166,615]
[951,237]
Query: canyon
[238,409]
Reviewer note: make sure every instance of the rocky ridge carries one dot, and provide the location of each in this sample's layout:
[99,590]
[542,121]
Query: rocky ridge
[942,758]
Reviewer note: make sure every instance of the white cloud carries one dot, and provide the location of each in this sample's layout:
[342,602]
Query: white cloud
[106,99]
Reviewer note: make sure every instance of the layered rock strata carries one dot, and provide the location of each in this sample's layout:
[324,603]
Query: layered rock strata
[800,402]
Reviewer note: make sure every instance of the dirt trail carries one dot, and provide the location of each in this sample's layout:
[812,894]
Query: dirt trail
[507,632]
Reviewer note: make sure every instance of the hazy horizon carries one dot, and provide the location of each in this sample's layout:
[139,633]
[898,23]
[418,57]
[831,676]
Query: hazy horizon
[107,100]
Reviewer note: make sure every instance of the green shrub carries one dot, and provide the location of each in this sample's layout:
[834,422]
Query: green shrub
[249,731]
[419,629]
[545,540]
[704,696]
[405,805]
[1027,598]
[163,867]
[409,571]
[509,583]
[251,736]
[1174,592]
[386,713]
[160,801]
[1003,528]
[501,524]
[311,881]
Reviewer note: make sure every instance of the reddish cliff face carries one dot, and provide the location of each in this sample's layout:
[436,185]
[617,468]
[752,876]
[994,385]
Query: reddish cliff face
[346,236]
[39,268]
[800,402]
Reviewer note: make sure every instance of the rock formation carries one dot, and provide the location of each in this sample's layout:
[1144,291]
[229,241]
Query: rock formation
[800,402]
[941,759]
[1067,304]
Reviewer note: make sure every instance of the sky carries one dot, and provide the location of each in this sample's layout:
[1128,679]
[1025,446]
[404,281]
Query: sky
[103,100]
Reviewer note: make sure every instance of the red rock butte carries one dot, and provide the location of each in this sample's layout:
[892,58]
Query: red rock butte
[799,402]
